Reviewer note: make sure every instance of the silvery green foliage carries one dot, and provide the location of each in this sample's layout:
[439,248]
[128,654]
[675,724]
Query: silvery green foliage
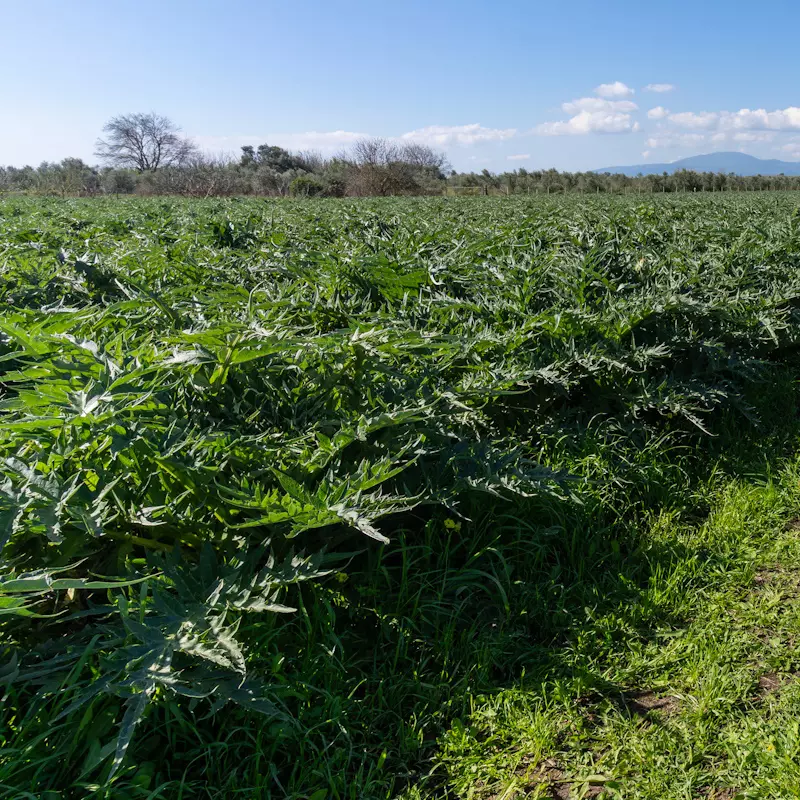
[205,404]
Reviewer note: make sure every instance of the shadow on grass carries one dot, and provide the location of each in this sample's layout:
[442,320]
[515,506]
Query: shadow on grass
[388,654]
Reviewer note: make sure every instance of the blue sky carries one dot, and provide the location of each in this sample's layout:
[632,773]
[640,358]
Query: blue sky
[496,85]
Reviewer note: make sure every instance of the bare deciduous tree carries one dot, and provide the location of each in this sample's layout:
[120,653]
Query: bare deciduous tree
[424,157]
[375,152]
[143,142]
[383,152]
[384,167]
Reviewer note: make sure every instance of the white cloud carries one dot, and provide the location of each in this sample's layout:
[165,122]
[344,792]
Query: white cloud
[589,122]
[601,114]
[745,119]
[597,104]
[691,129]
[327,142]
[669,139]
[673,140]
[792,149]
[616,89]
[787,119]
[443,135]
[659,87]
[704,120]
[754,136]
[331,142]
[519,157]
[742,136]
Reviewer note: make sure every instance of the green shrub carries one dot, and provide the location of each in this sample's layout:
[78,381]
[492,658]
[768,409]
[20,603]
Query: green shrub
[306,186]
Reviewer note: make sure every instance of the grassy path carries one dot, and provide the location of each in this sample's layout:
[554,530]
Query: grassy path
[690,691]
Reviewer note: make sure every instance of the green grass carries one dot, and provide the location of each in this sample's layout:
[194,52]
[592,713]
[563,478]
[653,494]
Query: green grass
[403,498]
[709,625]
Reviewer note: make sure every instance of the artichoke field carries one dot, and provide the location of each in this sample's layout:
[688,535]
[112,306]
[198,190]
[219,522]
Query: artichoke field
[221,422]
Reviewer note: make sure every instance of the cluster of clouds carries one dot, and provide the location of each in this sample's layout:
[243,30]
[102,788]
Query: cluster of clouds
[609,109]
[446,135]
[692,129]
[786,119]
[332,142]
[327,142]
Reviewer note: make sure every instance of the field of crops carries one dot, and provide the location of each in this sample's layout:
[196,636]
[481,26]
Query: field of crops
[373,499]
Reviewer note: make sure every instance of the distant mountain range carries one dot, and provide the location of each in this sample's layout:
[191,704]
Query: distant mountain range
[737,163]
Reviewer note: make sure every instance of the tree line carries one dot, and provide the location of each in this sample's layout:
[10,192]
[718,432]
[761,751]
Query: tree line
[146,154]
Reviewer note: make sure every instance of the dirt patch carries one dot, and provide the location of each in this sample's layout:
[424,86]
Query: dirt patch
[554,778]
[558,784]
[793,525]
[778,579]
[560,791]
[633,702]
[776,573]
[546,774]
[767,576]
[641,702]
[769,637]
[773,682]
[769,683]
[719,794]
[563,791]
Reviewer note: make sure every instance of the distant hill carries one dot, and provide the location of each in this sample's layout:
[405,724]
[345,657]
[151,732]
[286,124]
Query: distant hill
[737,163]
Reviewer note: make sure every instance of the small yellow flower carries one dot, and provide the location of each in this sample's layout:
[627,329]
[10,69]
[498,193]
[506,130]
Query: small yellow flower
[452,524]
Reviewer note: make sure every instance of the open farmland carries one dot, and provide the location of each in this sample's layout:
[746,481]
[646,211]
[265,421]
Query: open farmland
[453,497]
